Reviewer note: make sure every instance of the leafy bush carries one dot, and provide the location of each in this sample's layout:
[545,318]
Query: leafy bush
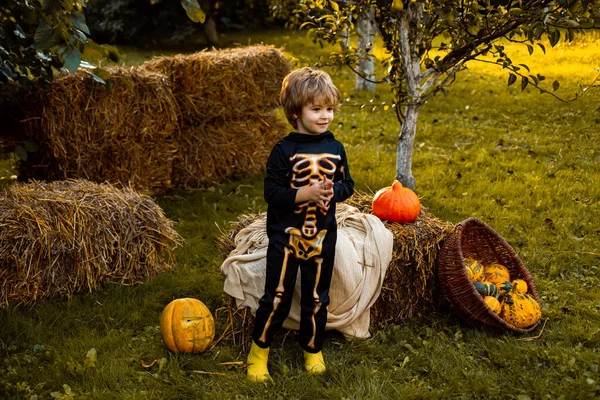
[134,21]
[35,38]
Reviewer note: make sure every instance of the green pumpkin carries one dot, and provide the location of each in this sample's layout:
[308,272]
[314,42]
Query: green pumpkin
[486,289]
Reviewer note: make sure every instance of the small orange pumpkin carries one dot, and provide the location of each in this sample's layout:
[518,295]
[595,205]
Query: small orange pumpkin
[396,204]
[187,326]
[493,303]
[519,286]
[497,274]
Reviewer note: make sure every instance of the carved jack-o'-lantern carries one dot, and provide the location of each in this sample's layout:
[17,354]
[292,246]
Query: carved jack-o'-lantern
[187,326]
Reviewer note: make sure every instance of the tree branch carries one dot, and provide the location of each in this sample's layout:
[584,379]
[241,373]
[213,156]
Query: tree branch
[541,89]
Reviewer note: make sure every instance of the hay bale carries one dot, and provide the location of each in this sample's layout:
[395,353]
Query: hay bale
[224,84]
[67,237]
[409,284]
[218,150]
[120,132]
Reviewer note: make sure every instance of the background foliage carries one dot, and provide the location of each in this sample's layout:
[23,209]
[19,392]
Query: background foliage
[36,37]
[139,22]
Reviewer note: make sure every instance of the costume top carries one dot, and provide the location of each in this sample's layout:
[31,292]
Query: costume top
[299,160]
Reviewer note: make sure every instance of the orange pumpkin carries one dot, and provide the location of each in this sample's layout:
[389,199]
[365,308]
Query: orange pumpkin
[520,310]
[187,326]
[519,286]
[493,303]
[396,204]
[497,274]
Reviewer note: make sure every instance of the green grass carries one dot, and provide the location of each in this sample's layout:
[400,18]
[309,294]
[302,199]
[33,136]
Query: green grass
[524,163]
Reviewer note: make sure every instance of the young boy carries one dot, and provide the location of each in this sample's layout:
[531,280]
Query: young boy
[307,174]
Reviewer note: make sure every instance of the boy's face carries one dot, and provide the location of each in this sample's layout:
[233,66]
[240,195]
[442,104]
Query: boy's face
[315,118]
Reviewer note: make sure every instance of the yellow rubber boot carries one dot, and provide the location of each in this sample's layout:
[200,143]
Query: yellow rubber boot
[314,363]
[257,363]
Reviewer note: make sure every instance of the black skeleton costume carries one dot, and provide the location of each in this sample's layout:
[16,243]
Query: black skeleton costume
[300,235]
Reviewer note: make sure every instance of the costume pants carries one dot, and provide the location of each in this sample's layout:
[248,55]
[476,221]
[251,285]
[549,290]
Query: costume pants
[274,306]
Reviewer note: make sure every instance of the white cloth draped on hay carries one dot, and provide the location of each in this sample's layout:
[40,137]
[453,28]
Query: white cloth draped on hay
[363,253]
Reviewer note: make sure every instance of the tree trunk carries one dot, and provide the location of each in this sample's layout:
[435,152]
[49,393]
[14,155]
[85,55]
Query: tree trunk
[409,42]
[366,33]
[406,142]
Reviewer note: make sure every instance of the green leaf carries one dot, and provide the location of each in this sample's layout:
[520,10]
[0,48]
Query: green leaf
[554,37]
[193,10]
[525,66]
[45,37]
[572,23]
[98,79]
[524,83]
[6,70]
[306,24]
[21,152]
[72,59]
[79,36]
[586,23]
[78,21]
[530,49]
[535,79]
[555,85]
[19,32]
[512,78]
[334,5]
[542,47]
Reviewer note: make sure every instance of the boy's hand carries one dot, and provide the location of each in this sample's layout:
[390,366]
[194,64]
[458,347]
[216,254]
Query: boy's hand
[328,186]
[320,192]
[324,192]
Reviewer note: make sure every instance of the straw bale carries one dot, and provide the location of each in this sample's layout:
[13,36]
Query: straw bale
[66,237]
[409,284]
[224,83]
[120,132]
[218,150]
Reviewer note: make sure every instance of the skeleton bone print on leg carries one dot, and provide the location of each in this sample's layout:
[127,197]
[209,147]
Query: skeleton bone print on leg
[307,242]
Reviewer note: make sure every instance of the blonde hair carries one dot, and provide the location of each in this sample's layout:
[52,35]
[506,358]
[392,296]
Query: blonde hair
[303,86]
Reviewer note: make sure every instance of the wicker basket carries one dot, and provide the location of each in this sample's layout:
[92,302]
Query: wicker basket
[472,238]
